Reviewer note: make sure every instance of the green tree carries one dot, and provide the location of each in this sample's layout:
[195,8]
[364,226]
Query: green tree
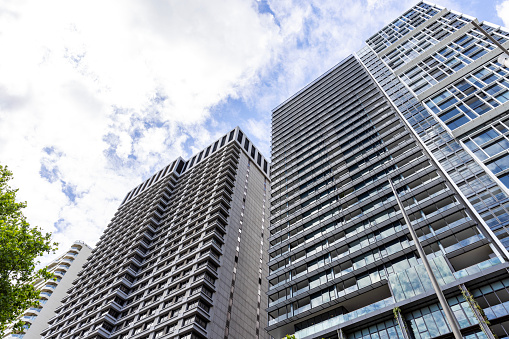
[20,245]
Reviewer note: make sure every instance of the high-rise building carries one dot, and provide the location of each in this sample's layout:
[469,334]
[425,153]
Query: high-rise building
[418,118]
[183,257]
[65,269]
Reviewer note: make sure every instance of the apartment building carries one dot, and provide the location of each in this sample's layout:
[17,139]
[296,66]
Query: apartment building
[65,269]
[389,199]
[183,257]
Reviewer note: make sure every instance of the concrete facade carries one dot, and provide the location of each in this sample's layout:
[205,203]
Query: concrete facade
[65,268]
[184,256]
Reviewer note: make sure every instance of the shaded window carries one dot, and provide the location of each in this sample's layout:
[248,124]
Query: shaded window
[458,122]
[499,165]
[449,114]
[159,174]
[505,180]
[447,103]
[496,147]
[485,136]
[166,169]
[503,97]
[179,166]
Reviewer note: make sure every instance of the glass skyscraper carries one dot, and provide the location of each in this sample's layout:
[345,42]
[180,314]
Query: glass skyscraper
[424,106]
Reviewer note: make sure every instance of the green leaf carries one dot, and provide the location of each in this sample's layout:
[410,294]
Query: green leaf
[20,246]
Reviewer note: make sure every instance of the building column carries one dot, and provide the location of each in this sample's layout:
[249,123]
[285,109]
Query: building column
[401,322]
[478,312]
[451,319]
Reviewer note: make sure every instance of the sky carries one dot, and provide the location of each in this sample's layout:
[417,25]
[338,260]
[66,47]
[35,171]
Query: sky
[96,96]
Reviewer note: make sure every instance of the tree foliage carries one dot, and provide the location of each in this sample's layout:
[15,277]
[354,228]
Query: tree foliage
[20,245]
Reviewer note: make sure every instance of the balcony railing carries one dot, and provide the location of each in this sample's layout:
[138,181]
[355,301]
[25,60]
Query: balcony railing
[477,268]
[337,320]
[464,242]
[29,318]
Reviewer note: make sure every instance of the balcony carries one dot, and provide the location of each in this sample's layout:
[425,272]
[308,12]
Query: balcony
[477,268]
[433,210]
[464,243]
[277,228]
[342,318]
[29,318]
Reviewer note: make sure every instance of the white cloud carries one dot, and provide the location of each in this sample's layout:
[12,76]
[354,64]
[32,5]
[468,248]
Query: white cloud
[503,12]
[95,95]
[113,89]
[260,130]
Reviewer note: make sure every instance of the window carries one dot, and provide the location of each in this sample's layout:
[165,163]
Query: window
[503,97]
[107,326]
[450,114]
[457,122]
[505,179]
[175,312]
[499,165]
[496,147]
[163,317]
[485,136]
